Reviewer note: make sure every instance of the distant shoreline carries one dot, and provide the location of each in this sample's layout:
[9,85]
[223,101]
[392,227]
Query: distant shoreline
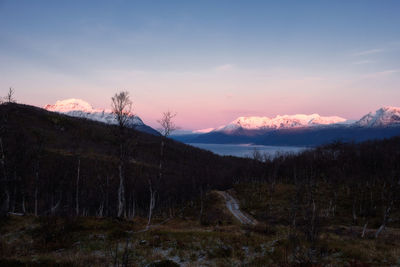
[246,150]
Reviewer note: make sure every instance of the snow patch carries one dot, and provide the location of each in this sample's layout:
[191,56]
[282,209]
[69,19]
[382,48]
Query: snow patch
[204,130]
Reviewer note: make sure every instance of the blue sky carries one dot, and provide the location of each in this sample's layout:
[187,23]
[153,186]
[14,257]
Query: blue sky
[210,61]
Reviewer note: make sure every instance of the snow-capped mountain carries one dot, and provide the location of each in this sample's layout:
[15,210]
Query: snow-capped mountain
[279,122]
[301,130]
[82,109]
[72,104]
[386,116]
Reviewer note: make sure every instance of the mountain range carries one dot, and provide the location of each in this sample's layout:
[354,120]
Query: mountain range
[301,129]
[82,109]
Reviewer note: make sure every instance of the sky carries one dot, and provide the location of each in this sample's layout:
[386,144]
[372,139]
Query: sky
[208,61]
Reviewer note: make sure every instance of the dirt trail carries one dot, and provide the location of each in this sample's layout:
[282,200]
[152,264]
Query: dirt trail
[233,206]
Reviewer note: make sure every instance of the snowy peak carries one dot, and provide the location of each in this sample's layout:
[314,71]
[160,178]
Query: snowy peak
[71,104]
[279,122]
[82,109]
[385,116]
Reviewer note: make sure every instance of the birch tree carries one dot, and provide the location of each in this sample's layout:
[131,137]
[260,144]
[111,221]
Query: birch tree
[167,127]
[121,107]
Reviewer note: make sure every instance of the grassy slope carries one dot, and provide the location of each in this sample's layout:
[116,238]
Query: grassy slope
[217,241]
[339,236]
[83,241]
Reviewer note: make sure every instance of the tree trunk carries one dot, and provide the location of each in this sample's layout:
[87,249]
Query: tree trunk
[385,220]
[14,193]
[55,207]
[121,193]
[23,204]
[77,187]
[152,203]
[364,230]
[101,209]
[380,229]
[334,205]
[107,189]
[161,159]
[132,211]
[201,203]
[36,201]
[354,211]
[36,188]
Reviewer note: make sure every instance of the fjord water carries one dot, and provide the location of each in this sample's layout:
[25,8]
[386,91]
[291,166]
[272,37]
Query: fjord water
[247,150]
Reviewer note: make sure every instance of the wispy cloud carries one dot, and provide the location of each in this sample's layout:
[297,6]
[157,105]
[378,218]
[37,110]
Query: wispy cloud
[368,52]
[225,67]
[387,72]
[362,62]
[381,74]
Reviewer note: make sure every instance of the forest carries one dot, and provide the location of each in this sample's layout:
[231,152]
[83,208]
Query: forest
[55,166]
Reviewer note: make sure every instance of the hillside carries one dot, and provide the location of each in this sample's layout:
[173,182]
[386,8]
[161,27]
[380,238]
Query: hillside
[82,109]
[336,204]
[43,150]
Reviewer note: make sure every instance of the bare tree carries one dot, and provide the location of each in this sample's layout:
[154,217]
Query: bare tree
[10,96]
[167,124]
[121,107]
[167,127]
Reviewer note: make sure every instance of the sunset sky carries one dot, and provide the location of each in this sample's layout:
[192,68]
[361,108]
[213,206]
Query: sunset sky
[209,61]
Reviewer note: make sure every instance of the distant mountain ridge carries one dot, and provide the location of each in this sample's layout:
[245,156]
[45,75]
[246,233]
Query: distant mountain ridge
[301,129]
[82,109]
[385,116]
[279,122]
